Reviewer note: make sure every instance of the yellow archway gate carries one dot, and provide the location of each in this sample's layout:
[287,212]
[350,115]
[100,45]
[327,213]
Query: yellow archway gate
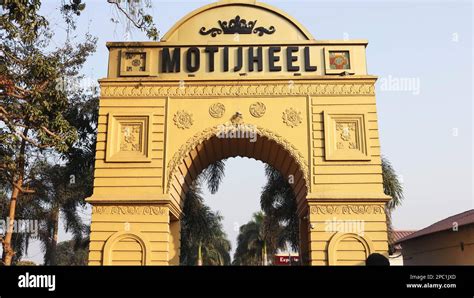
[237,78]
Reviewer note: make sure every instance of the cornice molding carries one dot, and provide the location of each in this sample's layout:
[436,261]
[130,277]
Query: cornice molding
[290,88]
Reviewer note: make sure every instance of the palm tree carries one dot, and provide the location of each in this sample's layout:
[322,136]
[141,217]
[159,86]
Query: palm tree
[278,202]
[61,197]
[203,241]
[213,176]
[392,187]
[257,239]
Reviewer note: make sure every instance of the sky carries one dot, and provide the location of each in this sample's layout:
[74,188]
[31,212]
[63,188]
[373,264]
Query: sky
[426,127]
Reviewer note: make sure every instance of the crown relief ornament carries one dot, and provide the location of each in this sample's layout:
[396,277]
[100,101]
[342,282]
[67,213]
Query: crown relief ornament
[237,26]
[237,118]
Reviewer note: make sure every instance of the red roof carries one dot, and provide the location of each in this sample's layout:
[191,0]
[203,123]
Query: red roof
[461,219]
[397,235]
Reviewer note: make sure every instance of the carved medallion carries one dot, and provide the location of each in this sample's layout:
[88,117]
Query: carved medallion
[292,117]
[257,109]
[183,119]
[217,110]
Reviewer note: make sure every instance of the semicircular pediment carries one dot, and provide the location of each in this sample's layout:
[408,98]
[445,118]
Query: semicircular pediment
[237,22]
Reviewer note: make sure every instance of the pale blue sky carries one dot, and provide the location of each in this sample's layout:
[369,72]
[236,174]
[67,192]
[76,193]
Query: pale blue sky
[426,134]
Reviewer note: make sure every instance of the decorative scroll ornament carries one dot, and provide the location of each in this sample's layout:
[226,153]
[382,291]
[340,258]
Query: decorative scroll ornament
[129,210]
[257,109]
[260,31]
[183,119]
[217,110]
[292,117]
[348,209]
[219,90]
[237,26]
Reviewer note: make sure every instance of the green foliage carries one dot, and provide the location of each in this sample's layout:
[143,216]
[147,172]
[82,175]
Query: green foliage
[394,188]
[32,105]
[258,239]
[73,6]
[213,175]
[391,184]
[278,202]
[36,113]
[70,253]
[201,229]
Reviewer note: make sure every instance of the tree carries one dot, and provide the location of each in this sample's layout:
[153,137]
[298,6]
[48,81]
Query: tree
[278,201]
[32,106]
[392,187]
[135,15]
[257,239]
[69,185]
[70,253]
[203,241]
[26,208]
[213,176]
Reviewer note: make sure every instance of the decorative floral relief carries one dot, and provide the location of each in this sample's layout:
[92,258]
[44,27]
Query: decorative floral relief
[292,117]
[183,119]
[257,109]
[217,110]
[346,135]
[135,62]
[131,137]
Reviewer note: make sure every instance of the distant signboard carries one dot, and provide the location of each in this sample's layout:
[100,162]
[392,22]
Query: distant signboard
[285,260]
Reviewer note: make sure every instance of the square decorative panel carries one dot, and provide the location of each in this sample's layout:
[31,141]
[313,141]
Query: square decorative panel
[128,138]
[337,61]
[135,63]
[346,136]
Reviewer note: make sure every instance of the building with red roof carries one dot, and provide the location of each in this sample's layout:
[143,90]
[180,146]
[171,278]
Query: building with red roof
[447,242]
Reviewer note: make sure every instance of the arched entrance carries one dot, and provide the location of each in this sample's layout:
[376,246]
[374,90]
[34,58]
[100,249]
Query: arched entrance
[237,79]
[238,140]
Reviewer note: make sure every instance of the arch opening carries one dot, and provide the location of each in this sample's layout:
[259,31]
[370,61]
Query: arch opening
[263,147]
